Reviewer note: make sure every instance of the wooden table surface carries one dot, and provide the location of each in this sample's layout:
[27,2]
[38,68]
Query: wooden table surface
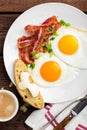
[9,11]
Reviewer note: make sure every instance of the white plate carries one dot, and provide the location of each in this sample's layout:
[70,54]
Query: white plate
[37,15]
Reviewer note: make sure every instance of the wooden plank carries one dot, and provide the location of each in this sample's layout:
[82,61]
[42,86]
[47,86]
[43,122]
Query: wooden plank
[5,22]
[22,5]
[4,79]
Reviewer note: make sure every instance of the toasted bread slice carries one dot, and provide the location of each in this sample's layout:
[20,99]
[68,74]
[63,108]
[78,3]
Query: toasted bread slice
[37,101]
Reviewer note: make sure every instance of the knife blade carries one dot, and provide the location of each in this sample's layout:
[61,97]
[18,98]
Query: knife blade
[74,112]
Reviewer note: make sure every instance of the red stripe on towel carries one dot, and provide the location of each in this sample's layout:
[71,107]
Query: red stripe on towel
[81,127]
[77,128]
[47,107]
[49,116]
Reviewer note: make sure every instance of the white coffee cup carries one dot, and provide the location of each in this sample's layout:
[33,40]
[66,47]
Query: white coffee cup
[8,105]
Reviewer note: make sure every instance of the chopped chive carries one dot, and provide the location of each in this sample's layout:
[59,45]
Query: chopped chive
[67,24]
[49,48]
[32,65]
[55,34]
[64,23]
[34,53]
[52,38]
[51,53]
[36,56]
[50,28]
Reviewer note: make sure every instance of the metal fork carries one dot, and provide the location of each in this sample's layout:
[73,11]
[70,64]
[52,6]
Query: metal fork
[47,124]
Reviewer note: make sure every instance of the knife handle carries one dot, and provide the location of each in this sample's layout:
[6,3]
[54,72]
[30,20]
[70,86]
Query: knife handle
[63,123]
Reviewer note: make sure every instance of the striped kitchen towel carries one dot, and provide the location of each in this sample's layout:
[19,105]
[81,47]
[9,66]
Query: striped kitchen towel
[39,118]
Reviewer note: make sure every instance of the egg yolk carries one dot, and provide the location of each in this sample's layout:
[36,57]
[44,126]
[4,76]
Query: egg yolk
[68,44]
[50,71]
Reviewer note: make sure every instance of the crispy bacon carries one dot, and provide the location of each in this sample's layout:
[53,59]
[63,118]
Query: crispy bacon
[25,55]
[38,35]
[37,45]
[51,25]
[31,29]
[26,41]
[50,22]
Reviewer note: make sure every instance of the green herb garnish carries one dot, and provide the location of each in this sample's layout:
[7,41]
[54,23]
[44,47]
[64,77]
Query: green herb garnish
[33,53]
[49,48]
[36,56]
[55,34]
[50,28]
[68,24]
[52,38]
[51,53]
[64,23]
[32,65]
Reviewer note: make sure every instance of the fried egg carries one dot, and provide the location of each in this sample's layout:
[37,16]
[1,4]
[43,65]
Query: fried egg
[71,46]
[49,71]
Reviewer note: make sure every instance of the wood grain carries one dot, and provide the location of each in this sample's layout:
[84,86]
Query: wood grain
[5,22]
[4,79]
[22,5]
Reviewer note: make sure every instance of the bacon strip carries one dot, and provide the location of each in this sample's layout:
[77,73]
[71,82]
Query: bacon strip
[38,35]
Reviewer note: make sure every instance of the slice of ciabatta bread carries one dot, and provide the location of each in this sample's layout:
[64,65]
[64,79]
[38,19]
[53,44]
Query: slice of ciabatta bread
[37,101]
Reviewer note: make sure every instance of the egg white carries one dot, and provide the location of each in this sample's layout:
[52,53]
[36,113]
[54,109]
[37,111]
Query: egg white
[78,59]
[68,73]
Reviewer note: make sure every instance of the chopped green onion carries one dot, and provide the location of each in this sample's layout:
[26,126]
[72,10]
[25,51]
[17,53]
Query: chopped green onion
[34,53]
[52,38]
[67,24]
[51,53]
[55,34]
[64,23]
[36,56]
[49,47]
[32,65]
[50,28]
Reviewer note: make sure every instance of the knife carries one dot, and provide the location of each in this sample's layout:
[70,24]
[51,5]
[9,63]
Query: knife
[74,112]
